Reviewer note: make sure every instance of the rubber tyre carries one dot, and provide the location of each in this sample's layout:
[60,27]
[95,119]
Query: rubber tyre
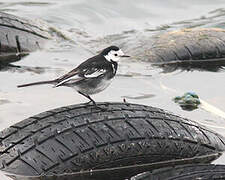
[18,37]
[185,172]
[82,137]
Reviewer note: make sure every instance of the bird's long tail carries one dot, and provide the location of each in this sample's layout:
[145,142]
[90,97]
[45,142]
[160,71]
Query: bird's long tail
[38,83]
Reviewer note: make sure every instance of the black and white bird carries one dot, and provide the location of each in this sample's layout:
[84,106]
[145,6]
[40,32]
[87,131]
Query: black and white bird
[92,76]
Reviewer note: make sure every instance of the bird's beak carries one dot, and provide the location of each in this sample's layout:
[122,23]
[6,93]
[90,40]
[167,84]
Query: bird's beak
[124,56]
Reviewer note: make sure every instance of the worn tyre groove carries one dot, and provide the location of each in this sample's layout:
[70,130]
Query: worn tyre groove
[80,137]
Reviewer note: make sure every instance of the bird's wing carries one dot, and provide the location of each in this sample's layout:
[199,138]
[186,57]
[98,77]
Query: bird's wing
[87,67]
[95,72]
[91,68]
[68,75]
[70,80]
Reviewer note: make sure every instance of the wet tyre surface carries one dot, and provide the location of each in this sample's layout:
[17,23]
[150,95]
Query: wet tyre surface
[18,37]
[186,172]
[81,137]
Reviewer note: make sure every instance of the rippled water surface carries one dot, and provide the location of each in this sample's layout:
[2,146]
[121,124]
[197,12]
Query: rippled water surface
[88,24]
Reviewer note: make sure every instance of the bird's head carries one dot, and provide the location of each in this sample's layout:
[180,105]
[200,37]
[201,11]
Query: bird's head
[113,53]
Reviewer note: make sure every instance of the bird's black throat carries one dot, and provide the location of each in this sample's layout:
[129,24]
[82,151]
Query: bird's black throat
[114,67]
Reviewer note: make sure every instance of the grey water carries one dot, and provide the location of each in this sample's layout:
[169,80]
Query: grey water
[90,25]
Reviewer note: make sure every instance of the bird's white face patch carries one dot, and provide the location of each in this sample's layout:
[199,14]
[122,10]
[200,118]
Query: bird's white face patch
[114,55]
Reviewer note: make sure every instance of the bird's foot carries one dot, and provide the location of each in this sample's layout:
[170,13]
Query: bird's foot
[96,106]
[101,108]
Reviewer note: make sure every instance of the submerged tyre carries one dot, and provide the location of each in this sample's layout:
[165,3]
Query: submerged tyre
[201,48]
[185,172]
[189,44]
[80,137]
[18,37]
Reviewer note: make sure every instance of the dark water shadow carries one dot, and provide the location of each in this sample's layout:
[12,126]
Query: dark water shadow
[23,69]
[212,65]
[4,101]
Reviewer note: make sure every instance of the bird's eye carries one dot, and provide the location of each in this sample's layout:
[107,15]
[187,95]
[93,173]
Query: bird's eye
[116,54]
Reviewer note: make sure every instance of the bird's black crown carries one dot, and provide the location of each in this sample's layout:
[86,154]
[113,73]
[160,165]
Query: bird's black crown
[106,50]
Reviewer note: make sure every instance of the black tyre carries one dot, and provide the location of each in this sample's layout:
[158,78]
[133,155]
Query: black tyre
[186,172]
[189,49]
[81,137]
[18,37]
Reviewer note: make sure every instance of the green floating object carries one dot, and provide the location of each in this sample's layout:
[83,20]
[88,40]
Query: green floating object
[189,101]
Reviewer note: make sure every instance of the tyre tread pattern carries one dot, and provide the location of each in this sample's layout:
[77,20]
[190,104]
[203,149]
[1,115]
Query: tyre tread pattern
[78,137]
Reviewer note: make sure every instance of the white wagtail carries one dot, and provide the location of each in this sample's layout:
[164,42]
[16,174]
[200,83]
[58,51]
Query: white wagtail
[92,76]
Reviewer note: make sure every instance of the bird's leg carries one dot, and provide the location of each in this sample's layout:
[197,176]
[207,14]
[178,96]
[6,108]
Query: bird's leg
[91,100]
[87,96]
